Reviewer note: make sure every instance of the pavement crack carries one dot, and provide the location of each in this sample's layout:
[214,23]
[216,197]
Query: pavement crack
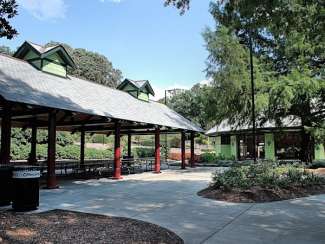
[227,224]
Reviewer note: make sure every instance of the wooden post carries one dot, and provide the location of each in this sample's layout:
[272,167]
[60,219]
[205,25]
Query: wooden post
[183,166]
[32,157]
[117,152]
[129,145]
[51,176]
[82,149]
[5,135]
[192,150]
[157,150]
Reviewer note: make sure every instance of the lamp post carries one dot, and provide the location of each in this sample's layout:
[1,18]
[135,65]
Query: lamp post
[253,94]
[166,148]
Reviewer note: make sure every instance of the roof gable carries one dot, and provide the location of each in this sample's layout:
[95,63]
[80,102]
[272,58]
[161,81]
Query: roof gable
[140,85]
[44,52]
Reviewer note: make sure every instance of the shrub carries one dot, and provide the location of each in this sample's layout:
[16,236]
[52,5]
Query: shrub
[144,152]
[97,138]
[62,152]
[209,157]
[175,142]
[267,175]
[317,164]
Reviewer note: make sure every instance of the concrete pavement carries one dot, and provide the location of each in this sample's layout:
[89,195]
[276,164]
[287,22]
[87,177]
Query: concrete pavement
[170,200]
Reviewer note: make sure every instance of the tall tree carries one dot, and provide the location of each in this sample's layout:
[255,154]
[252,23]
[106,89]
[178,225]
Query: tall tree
[92,66]
[8,10]
[182,5]
[191,104]
[228,67]
[289,50]
[6,50]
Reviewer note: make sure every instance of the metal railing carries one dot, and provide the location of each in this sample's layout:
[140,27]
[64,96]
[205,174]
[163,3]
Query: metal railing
[99,166]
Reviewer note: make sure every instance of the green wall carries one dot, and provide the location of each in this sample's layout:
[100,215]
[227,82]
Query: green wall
[269,146]
[140,95]
[319,152]
[54,68]
[218,145]
[32,55]
[143,96]
[223,150]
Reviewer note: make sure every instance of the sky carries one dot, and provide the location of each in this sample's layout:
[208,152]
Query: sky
[142,38]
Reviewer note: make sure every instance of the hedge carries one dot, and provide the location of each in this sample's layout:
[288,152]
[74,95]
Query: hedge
[21,152]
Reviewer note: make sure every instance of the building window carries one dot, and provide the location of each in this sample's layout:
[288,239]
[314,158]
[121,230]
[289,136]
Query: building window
[246,147]
[288,145]
[225,139]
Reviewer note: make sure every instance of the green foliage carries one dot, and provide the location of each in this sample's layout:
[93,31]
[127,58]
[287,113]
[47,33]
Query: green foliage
[92,66]
[147,141]
[202,140]
[209,157]
[317,164]
[191,104]
[23,137]
[228,66]
[289,56]
[144,152]
[182,5]
[8,10]
[97,138]
[266,175]
[21,152]
[175,142]
[6,50]
[64,138]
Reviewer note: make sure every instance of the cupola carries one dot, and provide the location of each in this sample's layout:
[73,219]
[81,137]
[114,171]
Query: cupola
[54,59]
[139,89]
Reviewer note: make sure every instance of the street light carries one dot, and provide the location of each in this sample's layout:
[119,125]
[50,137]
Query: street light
[253,94]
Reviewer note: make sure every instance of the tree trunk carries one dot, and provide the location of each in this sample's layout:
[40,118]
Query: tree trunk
[307,146]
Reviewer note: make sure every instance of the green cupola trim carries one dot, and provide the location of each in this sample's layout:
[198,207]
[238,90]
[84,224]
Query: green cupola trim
[139,89]
[54,59]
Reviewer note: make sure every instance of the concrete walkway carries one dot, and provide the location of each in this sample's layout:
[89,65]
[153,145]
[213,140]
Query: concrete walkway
[169,200]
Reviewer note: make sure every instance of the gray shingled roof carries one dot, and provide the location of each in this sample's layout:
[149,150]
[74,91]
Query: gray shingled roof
[225,127]
[21,82]
[41,49]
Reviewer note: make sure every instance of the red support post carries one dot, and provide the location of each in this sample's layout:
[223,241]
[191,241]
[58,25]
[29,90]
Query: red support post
[51,176]
[5,135]
[183,166]
[157,150]
[117,152]
[192,150]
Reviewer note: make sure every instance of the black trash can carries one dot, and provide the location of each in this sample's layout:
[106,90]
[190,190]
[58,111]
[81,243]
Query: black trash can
[5,184]
[25,188]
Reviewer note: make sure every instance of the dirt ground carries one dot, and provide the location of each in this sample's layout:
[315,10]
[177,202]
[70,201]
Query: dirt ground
[319,171]
[59,226]
[258,194]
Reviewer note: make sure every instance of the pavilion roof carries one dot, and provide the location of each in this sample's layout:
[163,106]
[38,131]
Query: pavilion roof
[21,82]
[225,127]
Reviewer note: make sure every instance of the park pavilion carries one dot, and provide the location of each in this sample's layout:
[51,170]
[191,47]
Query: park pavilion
[36,92]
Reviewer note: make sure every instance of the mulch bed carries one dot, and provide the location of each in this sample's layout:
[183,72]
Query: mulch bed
[59,226]
[258,194]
